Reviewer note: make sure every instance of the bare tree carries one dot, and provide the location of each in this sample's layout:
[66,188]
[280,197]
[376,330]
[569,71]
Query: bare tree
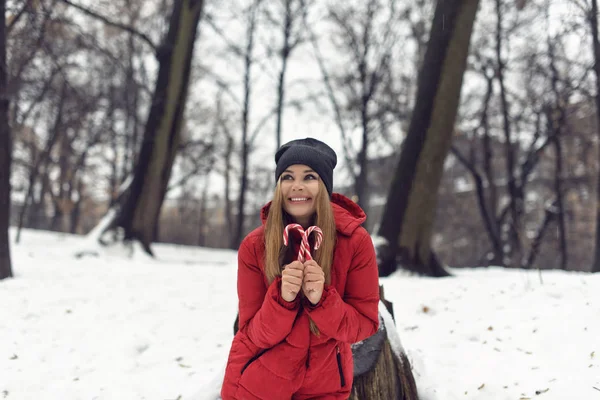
[409,212]
[5,154]
[292,36]
[246,134]
[368,42]
[138,214]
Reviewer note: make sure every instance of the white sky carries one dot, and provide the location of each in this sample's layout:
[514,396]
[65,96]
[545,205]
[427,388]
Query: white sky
[110,327]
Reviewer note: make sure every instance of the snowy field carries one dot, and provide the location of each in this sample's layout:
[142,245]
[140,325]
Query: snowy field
[114,327]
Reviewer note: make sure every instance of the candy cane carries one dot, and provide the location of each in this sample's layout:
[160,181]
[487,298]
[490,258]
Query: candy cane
[304,253]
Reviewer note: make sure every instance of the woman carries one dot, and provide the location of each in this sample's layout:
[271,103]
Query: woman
[297,318]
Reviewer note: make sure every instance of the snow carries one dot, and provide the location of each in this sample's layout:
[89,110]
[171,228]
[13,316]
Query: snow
[118,327]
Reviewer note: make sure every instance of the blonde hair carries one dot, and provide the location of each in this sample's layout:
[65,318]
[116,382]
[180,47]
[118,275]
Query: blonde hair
[275,251]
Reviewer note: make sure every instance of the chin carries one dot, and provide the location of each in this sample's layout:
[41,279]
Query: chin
[300,214]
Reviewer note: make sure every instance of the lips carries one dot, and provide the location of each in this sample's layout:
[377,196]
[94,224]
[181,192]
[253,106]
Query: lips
[298,199]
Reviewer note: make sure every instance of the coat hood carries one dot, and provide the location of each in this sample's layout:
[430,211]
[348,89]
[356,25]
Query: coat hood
[348,215]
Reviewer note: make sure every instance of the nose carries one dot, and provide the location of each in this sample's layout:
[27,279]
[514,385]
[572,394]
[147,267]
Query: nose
[297,186]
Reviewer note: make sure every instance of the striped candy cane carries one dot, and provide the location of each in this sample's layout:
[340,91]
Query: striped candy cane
[304,253]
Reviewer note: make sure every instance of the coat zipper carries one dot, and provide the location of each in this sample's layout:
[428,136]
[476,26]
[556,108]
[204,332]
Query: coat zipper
[339,361]
[254,358]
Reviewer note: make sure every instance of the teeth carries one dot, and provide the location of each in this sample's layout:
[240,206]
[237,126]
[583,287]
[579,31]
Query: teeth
[299,198]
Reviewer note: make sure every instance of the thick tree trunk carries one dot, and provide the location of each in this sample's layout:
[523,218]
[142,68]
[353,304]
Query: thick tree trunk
[138,216]
[5,154]
[409,213]
[596,53]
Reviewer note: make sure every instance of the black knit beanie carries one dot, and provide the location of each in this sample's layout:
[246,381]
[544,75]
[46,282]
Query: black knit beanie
[312,152]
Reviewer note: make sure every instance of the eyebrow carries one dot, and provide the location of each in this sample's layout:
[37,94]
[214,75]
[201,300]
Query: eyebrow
[306,171]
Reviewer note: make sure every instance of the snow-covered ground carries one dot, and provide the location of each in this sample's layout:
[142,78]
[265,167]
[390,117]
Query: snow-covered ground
[113,327]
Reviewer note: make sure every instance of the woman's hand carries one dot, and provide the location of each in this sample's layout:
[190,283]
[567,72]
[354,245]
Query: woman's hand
[291,280]
[314,280]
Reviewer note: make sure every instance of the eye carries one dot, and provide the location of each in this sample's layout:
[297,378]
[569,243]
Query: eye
[309,177]
[287,177]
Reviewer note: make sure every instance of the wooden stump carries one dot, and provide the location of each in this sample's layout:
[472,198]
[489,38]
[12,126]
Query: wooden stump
[380,373]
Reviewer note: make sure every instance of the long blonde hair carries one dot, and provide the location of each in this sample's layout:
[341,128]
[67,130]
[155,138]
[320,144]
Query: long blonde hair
[275,251]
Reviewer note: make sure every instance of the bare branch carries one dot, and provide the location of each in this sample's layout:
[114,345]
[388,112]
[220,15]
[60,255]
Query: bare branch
[107,21]
[17,17]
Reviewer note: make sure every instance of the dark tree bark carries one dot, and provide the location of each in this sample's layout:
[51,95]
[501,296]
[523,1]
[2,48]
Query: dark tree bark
[248,62]
[511,230]
[5,154]
[407,220]
[593,16]
[549,216]
[557,121]
[286,49]
[138,215]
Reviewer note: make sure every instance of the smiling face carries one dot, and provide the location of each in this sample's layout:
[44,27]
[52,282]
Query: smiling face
[299,188]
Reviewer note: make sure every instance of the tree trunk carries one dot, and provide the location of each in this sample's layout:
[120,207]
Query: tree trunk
[285,54]
[361,183]
[557,120]
[239,228]
[75,214]
[202,220]
[138,216]
[549,216]
[409,213]
[379,371]
[596,53]
[492,199]
[511,230]
[5,154]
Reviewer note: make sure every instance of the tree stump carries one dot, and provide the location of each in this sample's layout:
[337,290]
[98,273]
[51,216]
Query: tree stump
[379,372]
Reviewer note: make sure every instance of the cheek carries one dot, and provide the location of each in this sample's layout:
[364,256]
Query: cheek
[285,187]
[314,190]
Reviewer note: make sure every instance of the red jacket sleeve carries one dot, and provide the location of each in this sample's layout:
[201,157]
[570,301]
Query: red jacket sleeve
[264,316]
[355,317]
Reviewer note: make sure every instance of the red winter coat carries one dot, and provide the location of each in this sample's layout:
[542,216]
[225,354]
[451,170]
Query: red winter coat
[274,356]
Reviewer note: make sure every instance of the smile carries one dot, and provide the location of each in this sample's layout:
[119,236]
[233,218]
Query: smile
[299,199]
